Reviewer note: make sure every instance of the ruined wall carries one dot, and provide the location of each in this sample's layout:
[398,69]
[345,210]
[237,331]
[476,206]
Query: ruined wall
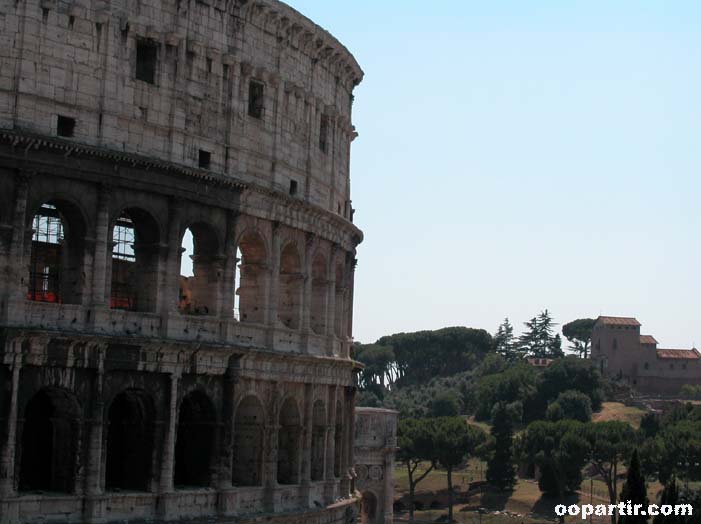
[168,79]
[375,447]
[123,125]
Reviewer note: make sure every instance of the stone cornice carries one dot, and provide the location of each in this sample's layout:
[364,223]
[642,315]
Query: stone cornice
[28,141]
[300,32]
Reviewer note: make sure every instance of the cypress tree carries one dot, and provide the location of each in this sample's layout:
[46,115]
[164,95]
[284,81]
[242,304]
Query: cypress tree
[501,471]
[670,495]
[635,491]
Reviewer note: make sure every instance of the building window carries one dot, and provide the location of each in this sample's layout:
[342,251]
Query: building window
[324,134]
[647,365]
[65,126]
[615,343]
[146,58]
[671,366]
[293,187]
[205,159]
[256,92]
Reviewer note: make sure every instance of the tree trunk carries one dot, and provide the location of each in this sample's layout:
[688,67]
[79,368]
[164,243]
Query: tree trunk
[412,486]
[450,494]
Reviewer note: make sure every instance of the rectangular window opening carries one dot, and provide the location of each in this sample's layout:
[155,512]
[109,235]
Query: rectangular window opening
[205,159]
[256,92]
[293,187]
[324,134]
[65,126]
[146,60]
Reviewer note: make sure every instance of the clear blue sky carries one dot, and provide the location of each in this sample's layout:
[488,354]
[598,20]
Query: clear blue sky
[519,155]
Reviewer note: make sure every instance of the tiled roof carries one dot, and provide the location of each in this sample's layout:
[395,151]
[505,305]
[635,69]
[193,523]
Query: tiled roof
[540,362]
[619,321]
[648,339]
[679,354]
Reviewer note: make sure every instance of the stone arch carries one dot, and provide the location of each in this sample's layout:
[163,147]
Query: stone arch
[318,440]
[249,433]
[195,441]
[251,277]
[338,439]
[135,237]
[199,293]
[368,508]
[57,255]
[291,287]
[129,446]
[49,441]
[319,293]
[289,442]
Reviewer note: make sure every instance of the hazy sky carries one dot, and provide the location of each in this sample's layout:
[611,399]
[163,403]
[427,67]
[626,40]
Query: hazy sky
[518,155]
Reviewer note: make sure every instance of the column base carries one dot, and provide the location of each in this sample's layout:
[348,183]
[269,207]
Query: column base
[9,511]
[94,509]
[168,506]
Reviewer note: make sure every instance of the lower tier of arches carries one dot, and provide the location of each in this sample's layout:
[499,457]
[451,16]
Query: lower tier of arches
[103,429]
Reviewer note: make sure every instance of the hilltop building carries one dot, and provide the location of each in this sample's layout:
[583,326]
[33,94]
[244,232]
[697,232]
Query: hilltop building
[621,352]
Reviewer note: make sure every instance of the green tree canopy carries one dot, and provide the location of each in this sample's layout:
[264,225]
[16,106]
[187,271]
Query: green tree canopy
[455,440]
[416,442]
[518,383]
[571,373]
[539,339]
[571,404]
[635,491]
[578,333]
[501,469]
[560,451]
[425,355]
[611,443]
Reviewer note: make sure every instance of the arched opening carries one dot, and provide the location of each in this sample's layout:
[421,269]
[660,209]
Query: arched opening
[318,440]
[248,443]
[319,295]
[251,279]
[129,442]
[201,270]
[340,302]
[56,258]
[338,440]
[135,253]
[289,440]
[195,441]
[49,442]
[368,508]
[290,293]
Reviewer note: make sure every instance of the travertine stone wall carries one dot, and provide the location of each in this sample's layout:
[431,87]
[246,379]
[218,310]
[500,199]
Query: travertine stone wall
[173,399]
[79,58]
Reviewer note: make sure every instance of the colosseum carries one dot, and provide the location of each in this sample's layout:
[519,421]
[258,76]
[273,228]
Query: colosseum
[132,391]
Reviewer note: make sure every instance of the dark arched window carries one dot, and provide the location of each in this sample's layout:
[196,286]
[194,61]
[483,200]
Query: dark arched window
[248,443]
[291,280]
[318,440]
[135,253]
[319,295]
[289,443]
[129,442]
[194,446]
[56,258]
[338,441]
[201,274]
[49,442]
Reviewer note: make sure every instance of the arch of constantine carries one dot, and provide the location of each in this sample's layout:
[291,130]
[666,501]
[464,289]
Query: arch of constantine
[131,392]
